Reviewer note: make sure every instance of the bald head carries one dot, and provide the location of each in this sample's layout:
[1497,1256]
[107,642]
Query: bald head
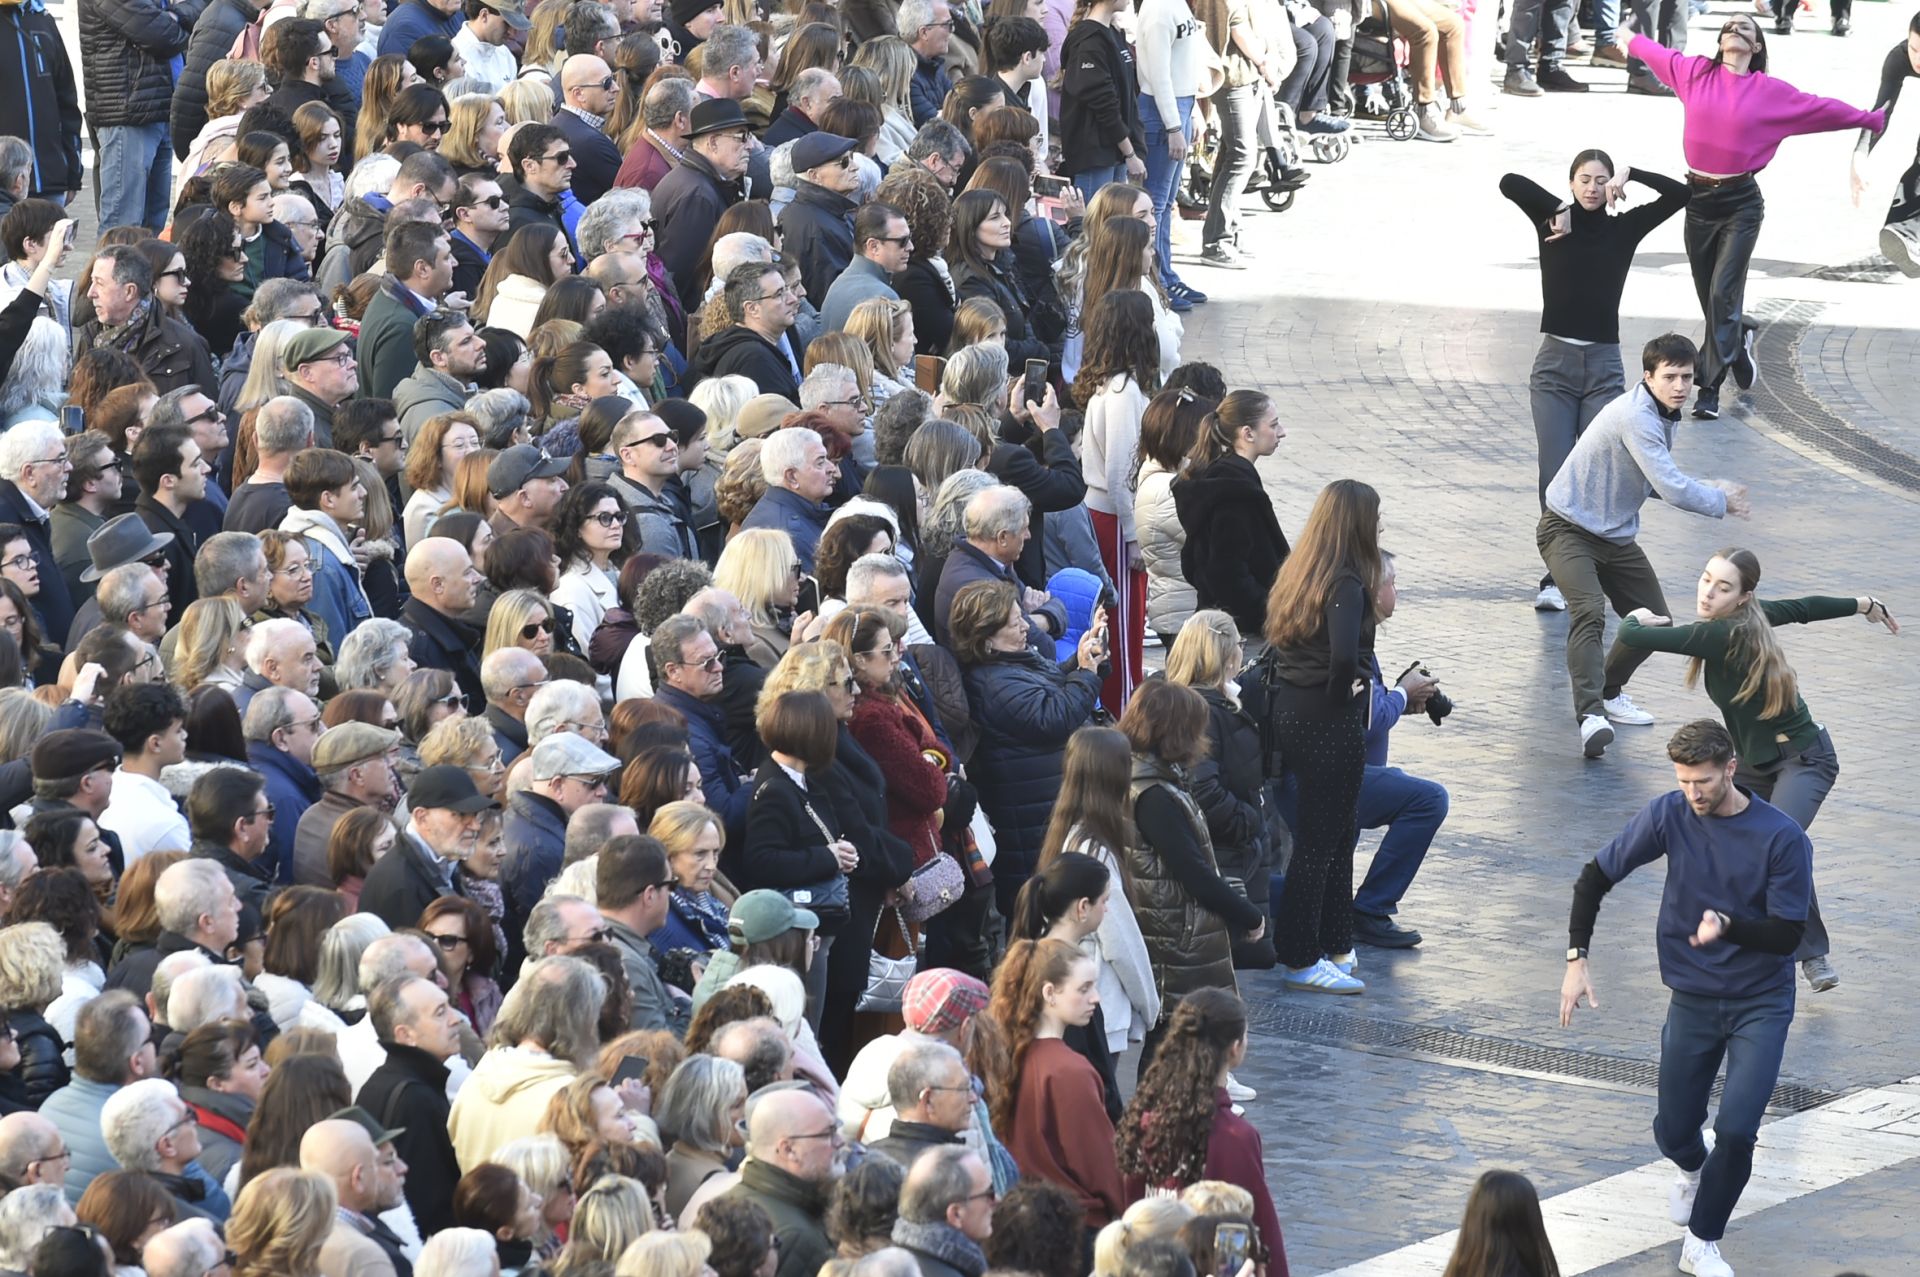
[344,1153]
[781,1116]
[581,70]
[189,1249]
[440,574]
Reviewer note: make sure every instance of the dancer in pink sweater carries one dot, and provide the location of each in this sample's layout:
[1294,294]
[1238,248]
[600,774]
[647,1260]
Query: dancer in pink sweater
[1736,117]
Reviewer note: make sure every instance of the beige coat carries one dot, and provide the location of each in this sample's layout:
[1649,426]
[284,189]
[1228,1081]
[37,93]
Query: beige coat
[504,1100]
[348,1252]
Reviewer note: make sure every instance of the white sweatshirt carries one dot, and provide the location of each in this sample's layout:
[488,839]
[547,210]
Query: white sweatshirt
[1170,47]
[1108,445]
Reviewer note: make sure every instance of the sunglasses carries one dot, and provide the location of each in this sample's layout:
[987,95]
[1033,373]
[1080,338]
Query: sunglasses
[446,941]
[180,274]
[453,700]
[558,157]
[435,127]
[492,201]
[532,628]
[607,518]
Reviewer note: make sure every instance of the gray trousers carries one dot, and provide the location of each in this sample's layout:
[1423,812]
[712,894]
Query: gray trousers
[1548,19]
[1593,573]
[1569,387]
[1797,783]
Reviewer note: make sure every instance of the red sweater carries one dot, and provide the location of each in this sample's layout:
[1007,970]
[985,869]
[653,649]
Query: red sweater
[916,787]
[1233,1155]
[1061,1132]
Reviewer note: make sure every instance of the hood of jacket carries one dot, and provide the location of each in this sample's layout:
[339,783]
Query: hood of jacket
[357,223]
[506,1072]
[735,338]
[1230,479]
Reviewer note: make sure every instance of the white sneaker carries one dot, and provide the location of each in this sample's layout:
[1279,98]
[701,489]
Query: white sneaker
[1702,1259]
[1621,709]
[1549,599]
[1596,733]
[1239,1092]
[1686,1187]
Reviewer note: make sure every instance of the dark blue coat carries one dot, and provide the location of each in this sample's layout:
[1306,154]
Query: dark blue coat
[725,790]
[292,787]
[785,510]
[1026,707]
[53,603]
[596,159]
[409,22]
[536,842]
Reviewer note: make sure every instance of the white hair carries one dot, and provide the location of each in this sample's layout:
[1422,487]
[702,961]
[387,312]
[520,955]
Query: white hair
[39,372]
[1001,508]
[134,1119]
[557,704]
[171,969]
[612,215]
[911,17]
[386,958]
[867,505]
[866,573]
[28,442]
[189,1249]
[188,889]
[26,1216]
[581,879]
[737,248]
[452,1252]
[785,450]
[825,382]
[364,656]
[373,175]
[206,995]
[269,635]
[289,200]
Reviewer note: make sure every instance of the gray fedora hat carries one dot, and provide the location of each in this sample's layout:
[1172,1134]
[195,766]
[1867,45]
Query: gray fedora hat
[125,539]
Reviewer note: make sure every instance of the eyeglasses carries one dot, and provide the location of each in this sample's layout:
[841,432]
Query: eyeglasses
[711,663]
[862,403]
[390,724]
[453,700]
[64,1155]
[904,241]
[236,254]
[523,687]
[60,460]
[532,628]
[607,518]
[937,26]
[17,561]
[831,1133]
[850,684]
[447,941]
[344,359]
[385,439]
[295,570]
[599,935]
[313,319]
[269,813]
[211,414]
[775,295]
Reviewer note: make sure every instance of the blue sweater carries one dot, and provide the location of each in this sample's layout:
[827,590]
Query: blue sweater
[1755,865]
[411,21]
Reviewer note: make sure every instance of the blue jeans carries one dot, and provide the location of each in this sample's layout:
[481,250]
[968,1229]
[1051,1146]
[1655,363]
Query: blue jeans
[136,175]
[1412,810]
[1797,783]
[1163,177]
[1089,181]
[1751,1034]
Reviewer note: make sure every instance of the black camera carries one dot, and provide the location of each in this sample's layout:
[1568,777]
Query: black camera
[1439,704]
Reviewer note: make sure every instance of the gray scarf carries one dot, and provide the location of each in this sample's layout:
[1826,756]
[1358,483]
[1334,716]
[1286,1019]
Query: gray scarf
[944,1242]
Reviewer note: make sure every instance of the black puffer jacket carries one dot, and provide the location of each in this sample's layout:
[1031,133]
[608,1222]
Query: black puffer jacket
[42,1070]
[38,100]
[1234,545]
[1025,707]
[1231,788]
[999,285]
[213,35]
[126,51]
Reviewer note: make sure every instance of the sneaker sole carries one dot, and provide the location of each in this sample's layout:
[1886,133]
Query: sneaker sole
[1648,721]
[1596,744]
[1708,414]
[1548,607]
[1411,940]
[1319,988]
[1824,983]
[1894,248]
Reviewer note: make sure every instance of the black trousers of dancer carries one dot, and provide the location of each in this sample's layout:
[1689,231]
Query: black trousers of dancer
[1723,225]
[1323,745]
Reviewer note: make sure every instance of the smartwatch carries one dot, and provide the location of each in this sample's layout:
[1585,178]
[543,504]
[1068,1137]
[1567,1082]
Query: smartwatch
[1576,954]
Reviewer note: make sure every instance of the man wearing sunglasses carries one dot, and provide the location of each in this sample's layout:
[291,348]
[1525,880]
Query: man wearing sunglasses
[703,185]
[543,161]
[93,488]
[590,91]
[649,459]
[634,886]
[282,727]
[819,222]
[479,222]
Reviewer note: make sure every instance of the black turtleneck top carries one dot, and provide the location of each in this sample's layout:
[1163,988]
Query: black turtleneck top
[1582,274]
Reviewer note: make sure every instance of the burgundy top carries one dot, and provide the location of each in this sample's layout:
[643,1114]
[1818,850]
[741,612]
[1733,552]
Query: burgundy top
[1061,1132]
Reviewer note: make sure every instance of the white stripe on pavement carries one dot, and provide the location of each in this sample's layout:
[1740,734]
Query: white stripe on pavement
[1613,1218]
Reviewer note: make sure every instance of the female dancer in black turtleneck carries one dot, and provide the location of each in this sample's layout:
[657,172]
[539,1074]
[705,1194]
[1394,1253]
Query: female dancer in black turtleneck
[1585,252]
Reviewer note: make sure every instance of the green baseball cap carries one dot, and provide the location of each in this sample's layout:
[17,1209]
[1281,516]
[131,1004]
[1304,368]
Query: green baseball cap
[761,915]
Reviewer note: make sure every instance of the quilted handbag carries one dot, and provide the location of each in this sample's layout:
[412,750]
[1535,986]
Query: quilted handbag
[937,885]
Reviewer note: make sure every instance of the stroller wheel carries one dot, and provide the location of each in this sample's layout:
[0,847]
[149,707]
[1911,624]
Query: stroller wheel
[1330,150]
[1400,125]
[1278,201]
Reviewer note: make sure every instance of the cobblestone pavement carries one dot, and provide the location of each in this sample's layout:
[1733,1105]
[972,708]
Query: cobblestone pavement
[1394,315]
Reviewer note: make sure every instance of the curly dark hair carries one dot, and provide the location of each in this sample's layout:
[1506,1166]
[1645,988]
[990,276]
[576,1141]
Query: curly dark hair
[665,591]
[51,832]
[1163,1134]
[865,1202]
[205,247]
[924,203]
[726,1006]
[846,540]
[62,899]
[1037,1229]
[741,1234]
[570,519]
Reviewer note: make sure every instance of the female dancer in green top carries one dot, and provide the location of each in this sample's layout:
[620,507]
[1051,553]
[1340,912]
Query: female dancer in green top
[1785,756]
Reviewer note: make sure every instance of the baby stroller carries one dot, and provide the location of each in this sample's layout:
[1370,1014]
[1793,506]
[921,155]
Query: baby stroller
[1380,70]
[1276,176]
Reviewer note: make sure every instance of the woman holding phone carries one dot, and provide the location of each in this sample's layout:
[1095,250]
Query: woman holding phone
[1181,1127]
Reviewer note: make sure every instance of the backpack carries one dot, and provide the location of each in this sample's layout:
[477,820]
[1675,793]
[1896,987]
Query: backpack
[1257,680]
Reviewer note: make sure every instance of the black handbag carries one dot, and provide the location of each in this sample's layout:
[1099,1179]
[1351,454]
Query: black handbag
[828,899]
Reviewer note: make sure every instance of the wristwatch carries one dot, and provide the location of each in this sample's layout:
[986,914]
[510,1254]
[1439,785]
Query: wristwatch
[1576,954]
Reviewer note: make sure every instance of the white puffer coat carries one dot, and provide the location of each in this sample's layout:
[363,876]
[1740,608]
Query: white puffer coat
[1170,600]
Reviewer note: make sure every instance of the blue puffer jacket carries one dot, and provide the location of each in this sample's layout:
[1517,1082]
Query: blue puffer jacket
[75,1110]
[1025,707]
[535,834]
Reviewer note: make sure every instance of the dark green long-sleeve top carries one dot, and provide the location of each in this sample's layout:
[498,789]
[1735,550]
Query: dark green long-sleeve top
[1758,740]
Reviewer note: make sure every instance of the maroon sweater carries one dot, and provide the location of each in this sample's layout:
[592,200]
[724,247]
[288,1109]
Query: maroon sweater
[1061,1132]
[1233,1155]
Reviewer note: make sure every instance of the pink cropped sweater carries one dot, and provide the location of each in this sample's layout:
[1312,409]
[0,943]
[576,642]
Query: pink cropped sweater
[1734,123]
